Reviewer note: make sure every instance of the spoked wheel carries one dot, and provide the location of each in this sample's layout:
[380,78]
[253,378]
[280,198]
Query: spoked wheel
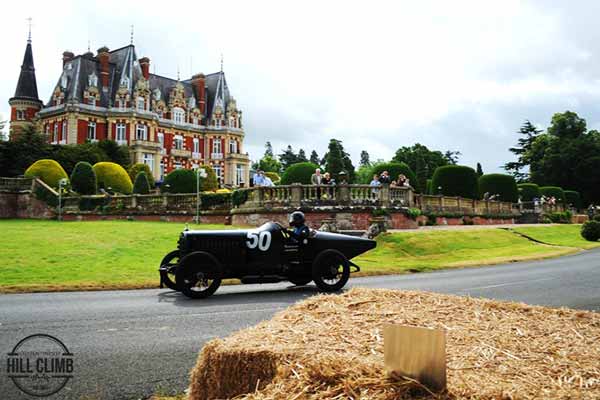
[198,275]
[330,271]
[300,281]
[168,267]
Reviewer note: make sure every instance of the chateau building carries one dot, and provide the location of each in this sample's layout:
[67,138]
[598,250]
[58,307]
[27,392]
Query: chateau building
[167,123]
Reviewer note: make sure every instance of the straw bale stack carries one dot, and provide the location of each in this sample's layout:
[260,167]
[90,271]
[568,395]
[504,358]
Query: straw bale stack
[331,347]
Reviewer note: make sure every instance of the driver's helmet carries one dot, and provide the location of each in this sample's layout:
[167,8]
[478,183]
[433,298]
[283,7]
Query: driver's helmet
[297,218]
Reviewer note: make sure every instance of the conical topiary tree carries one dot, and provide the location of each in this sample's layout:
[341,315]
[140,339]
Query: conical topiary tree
[83,178]
[141,184]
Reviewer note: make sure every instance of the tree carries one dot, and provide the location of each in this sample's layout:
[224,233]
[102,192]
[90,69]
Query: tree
[452,156]
[115,153]
[269,150]
[314,158]
[288,157]
[431,159]
[301,156]
[3,135]
[479,170]
[522,150]
[364,159]
[337,160]
[28,147]
[567,156]
[83,178]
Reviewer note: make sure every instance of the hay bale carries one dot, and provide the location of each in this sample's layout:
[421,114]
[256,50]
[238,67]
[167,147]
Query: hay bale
[331,346]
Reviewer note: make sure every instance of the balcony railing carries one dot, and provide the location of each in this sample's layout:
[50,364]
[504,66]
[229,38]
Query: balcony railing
[181,153]
[196,155]
[216,156]
[145,144]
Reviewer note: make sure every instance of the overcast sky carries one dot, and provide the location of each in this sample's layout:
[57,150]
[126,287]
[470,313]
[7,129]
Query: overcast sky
[376,75]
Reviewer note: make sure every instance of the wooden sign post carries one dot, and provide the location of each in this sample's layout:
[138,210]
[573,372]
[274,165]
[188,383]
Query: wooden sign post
[418,353]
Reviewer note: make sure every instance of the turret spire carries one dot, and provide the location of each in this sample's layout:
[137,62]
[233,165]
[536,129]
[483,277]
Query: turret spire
[29,35]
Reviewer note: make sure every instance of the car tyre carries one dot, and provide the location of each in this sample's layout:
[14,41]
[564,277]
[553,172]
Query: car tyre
[189,275]
[330,271]
[171,262]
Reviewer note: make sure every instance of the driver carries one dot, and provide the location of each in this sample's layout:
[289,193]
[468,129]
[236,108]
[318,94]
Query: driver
[300,231]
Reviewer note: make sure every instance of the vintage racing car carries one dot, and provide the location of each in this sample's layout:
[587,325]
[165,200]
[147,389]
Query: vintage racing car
[267,254]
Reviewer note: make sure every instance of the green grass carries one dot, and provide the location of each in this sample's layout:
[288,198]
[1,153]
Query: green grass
[48,255]
[560,235]
[422,251]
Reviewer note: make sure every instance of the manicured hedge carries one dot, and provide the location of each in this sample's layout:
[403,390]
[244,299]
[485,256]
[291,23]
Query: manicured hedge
[49,171]
[179,181]
[298,173]
[455,180]
[555,191]
[135,169]
[573,198]
[141,184]
[395,169]
[113,176]
[83,178]
[274,176]
[501,184]
[210,183]
[529,191]
[591,231]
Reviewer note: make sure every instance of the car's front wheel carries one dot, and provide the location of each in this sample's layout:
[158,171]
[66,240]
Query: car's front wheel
[198,275]
[330,271]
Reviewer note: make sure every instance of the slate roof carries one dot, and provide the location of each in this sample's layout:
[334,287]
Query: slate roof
[123,63]
[27,85]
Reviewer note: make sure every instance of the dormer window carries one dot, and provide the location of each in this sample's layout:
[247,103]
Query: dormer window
[195,120]
[92,100]
[124,82]
[93,80]
[141,104]
[178,115]
[218,123]
[232,123]
[64,80]
[157,94]
[57,100]
[20,115]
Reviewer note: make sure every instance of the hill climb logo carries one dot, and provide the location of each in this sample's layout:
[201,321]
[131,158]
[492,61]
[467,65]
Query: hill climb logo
[40,365]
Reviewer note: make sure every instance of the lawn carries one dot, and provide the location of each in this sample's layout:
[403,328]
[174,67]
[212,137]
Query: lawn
[422,251]
[48,255]
[560,235]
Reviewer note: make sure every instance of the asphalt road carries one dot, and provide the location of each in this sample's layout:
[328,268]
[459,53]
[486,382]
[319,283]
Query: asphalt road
[131,344]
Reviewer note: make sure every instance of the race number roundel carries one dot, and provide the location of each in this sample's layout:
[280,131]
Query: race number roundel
[261,240]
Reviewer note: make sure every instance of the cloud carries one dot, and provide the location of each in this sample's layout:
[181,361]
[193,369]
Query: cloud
[378,75]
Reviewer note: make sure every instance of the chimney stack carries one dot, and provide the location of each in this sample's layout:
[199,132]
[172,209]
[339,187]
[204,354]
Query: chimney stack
[67,56]
[104,57]
[145,65]
[199,82]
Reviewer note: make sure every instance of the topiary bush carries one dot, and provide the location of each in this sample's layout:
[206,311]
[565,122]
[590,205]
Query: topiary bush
[529,191]
[591,231]
[49,171]
[573,199]
[239,197]
[559,217]
[135,169]
[113,176]
[298,173]
[557,192]
[179,181]
[455,180]
[503,185]
[215,200]
[274,176]
[210,183]
[83,179]
[395,169]
[141,184]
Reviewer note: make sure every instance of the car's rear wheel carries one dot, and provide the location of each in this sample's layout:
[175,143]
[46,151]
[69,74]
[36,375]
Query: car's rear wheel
[330,271]
[198,275]
[168,267]
[300,281]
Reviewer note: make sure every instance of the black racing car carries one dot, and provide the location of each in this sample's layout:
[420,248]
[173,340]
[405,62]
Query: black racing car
[267,254]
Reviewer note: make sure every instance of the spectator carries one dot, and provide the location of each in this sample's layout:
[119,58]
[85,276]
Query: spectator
[486,196]
[326,180]
[590,211]
[259,178]
[384,179]
[375,185]
[267,182]
[406,182]
[401,180]
[316,178]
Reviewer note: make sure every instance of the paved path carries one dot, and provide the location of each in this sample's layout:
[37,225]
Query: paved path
[130,344]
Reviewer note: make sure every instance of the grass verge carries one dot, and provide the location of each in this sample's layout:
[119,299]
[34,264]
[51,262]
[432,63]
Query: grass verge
[101,255]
